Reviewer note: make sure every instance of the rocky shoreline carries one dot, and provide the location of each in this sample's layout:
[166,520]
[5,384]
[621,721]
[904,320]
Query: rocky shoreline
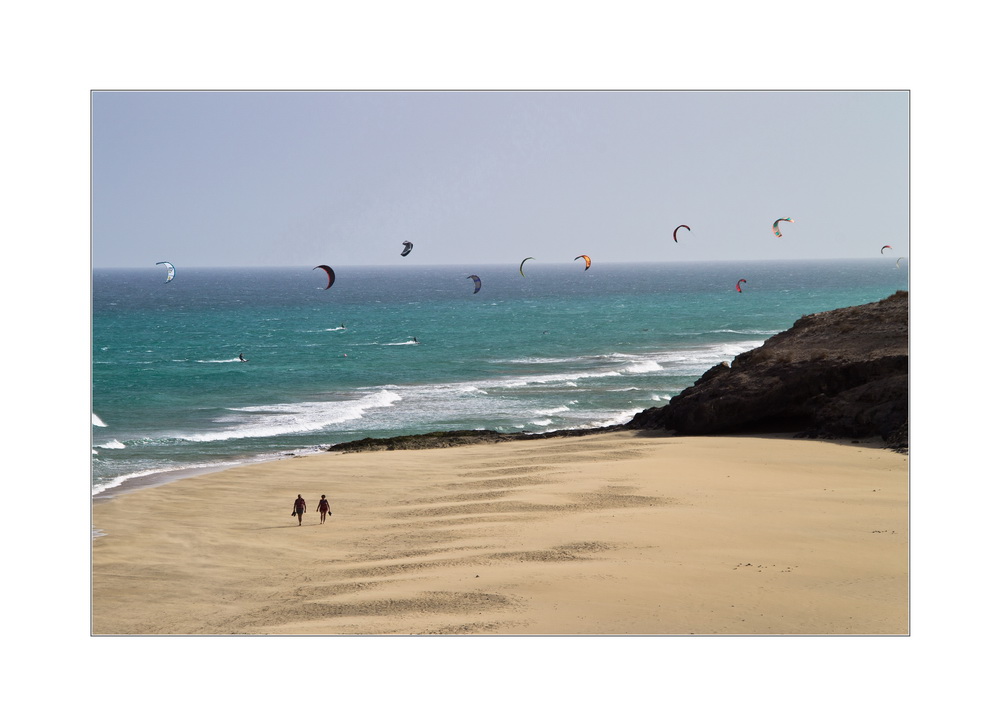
[838,374]
[433,440]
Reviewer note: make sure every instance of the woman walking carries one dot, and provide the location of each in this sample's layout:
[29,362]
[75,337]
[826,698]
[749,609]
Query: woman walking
[324,508]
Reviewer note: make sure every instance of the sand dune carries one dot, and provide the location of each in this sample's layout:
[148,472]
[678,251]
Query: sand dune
[616,533]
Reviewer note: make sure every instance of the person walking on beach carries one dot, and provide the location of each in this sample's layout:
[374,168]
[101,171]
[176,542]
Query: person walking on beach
[323,508]
[299,507]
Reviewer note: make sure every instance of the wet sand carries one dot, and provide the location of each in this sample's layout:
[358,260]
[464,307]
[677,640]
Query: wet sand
[613,533]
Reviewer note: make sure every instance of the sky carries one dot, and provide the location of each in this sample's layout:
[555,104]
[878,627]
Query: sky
[284,178]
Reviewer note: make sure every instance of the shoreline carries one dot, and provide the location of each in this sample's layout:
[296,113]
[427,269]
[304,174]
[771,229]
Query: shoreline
[426,440]
[624,532]
[141,481]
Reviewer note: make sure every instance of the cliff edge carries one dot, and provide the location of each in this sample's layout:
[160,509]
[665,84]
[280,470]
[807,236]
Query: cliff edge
[839,374]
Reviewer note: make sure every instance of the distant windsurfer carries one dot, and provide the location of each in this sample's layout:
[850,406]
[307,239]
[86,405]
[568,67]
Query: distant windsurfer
[241,357]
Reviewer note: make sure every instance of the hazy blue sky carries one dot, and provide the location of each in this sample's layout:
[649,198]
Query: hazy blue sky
[289,178]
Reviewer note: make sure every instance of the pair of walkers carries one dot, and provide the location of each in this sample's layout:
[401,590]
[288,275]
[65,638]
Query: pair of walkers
[300,507]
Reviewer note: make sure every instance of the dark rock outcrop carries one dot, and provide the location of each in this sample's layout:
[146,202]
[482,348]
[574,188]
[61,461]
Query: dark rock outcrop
[434,440]
[842,373]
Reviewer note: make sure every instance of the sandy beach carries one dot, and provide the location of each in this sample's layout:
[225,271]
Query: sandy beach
[612,533]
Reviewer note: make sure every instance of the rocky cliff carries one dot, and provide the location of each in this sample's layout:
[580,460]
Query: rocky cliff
[842,373]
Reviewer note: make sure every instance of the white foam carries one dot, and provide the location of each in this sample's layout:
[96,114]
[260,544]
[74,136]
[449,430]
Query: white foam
[694,360]
[121,479]
[621,418]
[697,360]
[748,332]
[96,420]
[568,378]
[643,367]
[280,419]
[550,412]
[180,472]
[473,390]
[538,360]
[615,356]
[614,420]
[113,444]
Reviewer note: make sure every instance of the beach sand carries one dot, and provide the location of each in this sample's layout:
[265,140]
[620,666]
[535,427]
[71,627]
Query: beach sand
[611,533]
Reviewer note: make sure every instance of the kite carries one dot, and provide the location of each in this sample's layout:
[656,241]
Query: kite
[477,281]
[586,259]
[329,272]
[679,227]
[884,248]
[170,270]
[407,247]
[775,225]
[522,265]
[897,261]
[738,288]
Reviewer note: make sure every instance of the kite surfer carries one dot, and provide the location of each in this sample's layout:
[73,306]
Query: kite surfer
[330,275]
[241,357]
[774,227]
[170,270]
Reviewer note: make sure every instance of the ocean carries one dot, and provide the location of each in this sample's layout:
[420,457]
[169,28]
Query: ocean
[408,349]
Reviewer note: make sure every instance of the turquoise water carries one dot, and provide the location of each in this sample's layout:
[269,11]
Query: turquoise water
[557,348]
